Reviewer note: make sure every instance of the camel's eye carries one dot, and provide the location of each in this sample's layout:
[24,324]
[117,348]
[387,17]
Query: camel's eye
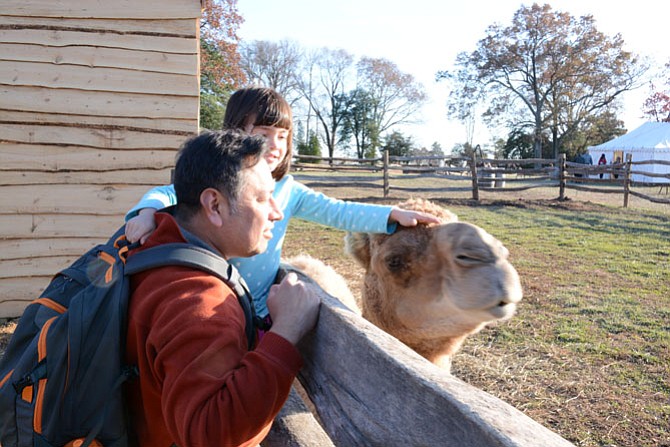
[395,263]
[467,260]
[473,257]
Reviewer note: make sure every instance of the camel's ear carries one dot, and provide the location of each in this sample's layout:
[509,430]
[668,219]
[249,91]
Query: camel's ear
[358,246]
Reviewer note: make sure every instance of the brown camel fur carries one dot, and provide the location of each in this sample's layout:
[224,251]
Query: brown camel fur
[429,286]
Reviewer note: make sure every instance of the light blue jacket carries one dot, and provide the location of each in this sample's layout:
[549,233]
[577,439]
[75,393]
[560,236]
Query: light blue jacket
[295,200]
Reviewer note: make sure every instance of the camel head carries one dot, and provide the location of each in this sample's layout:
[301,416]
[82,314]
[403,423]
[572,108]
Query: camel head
[432,286]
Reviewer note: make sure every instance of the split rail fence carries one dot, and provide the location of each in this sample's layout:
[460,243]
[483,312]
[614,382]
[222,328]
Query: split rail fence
[486,174]
[369,389]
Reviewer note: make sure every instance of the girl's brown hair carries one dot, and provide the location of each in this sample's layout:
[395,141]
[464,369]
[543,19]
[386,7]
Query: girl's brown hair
[262,106]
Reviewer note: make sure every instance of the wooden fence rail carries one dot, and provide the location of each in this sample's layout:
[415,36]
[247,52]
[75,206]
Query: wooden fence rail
[484,174]
[369,389]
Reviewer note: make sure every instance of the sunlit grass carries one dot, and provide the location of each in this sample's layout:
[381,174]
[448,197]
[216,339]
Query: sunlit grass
[588,353]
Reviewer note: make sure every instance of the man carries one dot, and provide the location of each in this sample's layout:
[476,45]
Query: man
[198,384]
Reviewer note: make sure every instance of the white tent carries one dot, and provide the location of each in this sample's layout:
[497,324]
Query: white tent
[650,141]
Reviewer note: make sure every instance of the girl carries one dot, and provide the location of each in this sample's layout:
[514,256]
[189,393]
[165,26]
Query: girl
[264,111]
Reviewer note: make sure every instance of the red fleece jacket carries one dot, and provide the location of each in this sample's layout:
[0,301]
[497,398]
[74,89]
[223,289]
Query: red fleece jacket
[198,384]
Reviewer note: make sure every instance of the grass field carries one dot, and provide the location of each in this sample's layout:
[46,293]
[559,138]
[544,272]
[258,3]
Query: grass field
[588,353]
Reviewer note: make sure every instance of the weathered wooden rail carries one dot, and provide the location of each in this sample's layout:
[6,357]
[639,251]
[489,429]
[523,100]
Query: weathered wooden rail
[369,389]
[485,174]
[96,99]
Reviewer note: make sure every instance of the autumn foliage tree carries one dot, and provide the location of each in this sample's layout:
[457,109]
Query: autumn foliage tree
[395,97]
[220,71]
[657,105]
[547,70]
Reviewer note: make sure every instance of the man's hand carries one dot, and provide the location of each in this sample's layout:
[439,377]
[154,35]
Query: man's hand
[294,308]
[141,226]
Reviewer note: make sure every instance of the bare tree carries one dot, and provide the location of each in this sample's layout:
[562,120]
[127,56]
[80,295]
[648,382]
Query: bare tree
[396,96]
[325,87]
[273,64]
[547,70]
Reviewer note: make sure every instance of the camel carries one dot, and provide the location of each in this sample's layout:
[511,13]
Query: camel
[429,286]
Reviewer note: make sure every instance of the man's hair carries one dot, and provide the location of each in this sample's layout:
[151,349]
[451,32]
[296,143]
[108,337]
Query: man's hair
[262,106]
[214,160]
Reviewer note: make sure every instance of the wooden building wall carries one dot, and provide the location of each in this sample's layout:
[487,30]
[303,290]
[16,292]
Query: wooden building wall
[95,99]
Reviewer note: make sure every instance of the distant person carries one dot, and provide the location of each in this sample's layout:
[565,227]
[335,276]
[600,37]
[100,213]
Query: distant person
[581,159]
[263,111]
[588,160]
[198,383]
[601,162]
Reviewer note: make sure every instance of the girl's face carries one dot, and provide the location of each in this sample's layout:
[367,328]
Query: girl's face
[276,139]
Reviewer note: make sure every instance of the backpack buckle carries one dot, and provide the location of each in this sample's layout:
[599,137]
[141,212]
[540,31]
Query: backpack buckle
[23,382]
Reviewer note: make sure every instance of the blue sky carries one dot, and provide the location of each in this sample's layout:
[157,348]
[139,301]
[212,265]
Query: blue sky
[424,36]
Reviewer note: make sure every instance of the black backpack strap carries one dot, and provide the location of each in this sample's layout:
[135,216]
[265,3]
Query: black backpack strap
[188,255]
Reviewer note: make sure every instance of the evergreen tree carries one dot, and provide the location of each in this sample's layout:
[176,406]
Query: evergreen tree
[398,145]
[311,147]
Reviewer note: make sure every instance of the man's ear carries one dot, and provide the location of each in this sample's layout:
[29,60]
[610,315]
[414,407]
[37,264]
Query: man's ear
[214,205]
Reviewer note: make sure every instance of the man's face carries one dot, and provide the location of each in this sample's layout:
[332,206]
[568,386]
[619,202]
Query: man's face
[256,212]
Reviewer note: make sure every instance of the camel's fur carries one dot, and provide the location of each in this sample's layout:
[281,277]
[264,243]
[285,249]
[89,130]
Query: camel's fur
[327,278]
[430,286]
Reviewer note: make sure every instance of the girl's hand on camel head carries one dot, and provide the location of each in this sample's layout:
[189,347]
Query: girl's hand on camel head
[408,218]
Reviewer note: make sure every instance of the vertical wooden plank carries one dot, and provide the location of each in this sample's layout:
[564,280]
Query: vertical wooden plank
[626,180]
[473,171]
[386,173]
[561,177]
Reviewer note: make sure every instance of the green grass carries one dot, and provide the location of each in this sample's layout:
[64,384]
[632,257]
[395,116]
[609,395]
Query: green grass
[588,353]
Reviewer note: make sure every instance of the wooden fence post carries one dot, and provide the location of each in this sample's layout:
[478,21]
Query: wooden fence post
[386,173]
[473,170]
[626,180]
[561,177]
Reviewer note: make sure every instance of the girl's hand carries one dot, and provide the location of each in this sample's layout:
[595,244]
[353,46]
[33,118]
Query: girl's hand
[408,218]
[141,226]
